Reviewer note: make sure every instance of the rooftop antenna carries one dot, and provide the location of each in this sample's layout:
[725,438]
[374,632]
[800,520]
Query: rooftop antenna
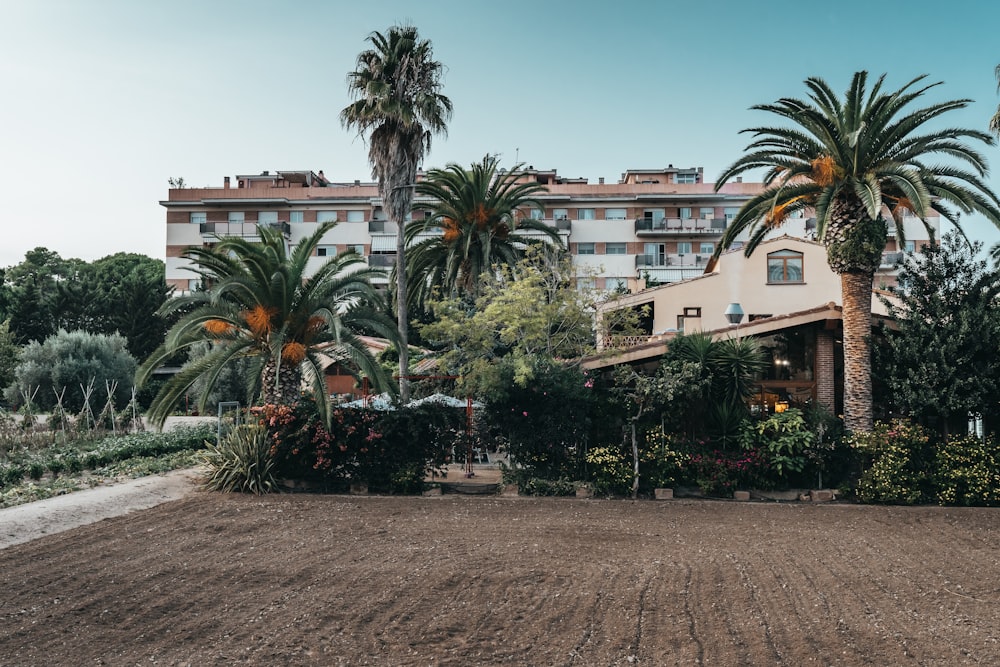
[517,155]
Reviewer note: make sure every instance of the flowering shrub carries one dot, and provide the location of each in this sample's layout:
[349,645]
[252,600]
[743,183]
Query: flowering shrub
[663,463]
[894,460]
[390,451]
[609,471]
[967,471]
[719,473]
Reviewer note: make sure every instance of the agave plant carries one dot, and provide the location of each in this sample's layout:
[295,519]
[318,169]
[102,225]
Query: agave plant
[241,462]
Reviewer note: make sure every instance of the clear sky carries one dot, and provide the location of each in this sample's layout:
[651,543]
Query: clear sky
[104,100]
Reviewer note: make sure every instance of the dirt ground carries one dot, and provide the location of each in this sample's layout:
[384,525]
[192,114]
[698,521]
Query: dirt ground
[475,580]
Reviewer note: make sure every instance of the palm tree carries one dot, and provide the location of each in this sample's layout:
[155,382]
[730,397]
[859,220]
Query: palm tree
[259,305]
[476,209]
[398,104]
[853,161]
[995,121]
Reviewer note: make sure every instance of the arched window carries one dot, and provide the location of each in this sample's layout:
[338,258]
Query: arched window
[784,266]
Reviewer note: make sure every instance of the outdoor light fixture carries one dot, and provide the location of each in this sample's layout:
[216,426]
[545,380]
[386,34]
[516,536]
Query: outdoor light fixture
[734,313]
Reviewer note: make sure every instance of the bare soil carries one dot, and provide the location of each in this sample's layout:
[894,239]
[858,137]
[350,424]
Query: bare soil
[216,579]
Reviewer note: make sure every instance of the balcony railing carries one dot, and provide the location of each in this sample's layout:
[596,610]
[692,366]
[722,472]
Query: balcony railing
[892,259]
[382,260]
[242,229]
[686,260]
[648,226]
[625,342]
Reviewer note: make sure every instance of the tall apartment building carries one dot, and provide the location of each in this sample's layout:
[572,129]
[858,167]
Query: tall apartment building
[653,224]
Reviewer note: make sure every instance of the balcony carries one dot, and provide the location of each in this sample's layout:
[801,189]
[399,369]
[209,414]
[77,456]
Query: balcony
[686,260]
[248,230]
[891,260]
[383,261]
[657,226]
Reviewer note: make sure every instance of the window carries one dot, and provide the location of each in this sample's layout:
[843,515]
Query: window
[585,214]
[296,216]
[684,248]
[357,248]
[685,178]
[194,284]
[655,254]
[326,250]
[614,214]
[536,214]
[199,218]
[653,214]
[616,249]
[267,218]
[910,246]
[784,266]
[730,213]
[326,216]
[355,216]
[236,217]
[692,311]
[706,248]
[560,214]
[585,283]
[585,248]
[684,213]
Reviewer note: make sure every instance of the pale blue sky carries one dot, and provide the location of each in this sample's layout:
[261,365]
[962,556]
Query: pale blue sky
[103,100]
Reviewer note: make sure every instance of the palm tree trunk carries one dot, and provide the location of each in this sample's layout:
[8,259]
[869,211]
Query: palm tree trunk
[284,389]
[402,323]
[856,293]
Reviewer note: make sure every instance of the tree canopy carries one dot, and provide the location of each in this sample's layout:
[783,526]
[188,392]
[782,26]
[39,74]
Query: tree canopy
[269,307]
[939,361]
[852,162]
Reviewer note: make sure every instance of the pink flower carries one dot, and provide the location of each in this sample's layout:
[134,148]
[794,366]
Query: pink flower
[525,413]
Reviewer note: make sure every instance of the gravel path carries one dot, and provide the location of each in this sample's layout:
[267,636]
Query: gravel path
[23,523]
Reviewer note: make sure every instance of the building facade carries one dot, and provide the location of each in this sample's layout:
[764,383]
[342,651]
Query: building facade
[652,226]
[790,303]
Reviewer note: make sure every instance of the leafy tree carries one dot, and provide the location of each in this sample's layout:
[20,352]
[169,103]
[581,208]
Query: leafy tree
[852,161]
[477,211]
[9,354]
[69,360]
[261,306]
[645,394]
[399,105]
[30,318]
[542,410]
[528,312]
[45,293]
[940,361]
[130,289]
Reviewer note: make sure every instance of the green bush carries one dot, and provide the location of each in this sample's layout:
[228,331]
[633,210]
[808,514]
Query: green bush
[967,471]
[785,440]
[895,458]
[241,462]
